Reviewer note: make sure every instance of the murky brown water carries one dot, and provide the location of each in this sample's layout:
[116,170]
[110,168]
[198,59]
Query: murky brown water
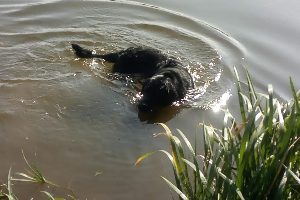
[81,119]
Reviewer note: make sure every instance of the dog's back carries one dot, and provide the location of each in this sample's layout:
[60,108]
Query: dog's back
[139,60]
[143,61]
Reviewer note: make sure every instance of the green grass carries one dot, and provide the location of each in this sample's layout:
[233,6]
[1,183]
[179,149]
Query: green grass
[52,198]
[258,159]
[34,176]
[9,195]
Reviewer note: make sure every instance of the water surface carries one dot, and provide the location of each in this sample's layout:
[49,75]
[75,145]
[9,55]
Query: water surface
[80,118]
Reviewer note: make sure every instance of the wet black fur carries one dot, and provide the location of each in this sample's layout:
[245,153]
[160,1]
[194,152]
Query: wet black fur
[167,80]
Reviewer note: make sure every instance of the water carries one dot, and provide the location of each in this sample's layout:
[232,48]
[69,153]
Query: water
[81,119]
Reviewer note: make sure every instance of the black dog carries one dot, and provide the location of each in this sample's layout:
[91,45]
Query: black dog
[167,80]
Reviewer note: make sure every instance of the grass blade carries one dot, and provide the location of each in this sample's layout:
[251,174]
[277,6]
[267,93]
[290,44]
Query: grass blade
[142,157]
[295,95]
[182,171]
[231,183]
[187,142]
[293,174]
[271,111]
[26,176]
[238,85]
[279,193]
[251,90]
[49,195]
[176,173]
[10,194]
[9,183]
[178,191]
[193,166]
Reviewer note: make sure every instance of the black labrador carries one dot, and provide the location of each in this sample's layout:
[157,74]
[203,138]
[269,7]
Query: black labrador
[167,80]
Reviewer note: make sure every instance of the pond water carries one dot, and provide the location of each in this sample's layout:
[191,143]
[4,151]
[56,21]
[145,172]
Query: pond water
[81,119]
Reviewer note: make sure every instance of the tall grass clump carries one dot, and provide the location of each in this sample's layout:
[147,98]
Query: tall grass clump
[257,159]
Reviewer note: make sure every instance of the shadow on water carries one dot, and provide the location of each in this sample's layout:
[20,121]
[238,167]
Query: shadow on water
[160,115]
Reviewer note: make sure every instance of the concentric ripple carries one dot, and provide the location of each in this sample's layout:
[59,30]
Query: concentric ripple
[41,42]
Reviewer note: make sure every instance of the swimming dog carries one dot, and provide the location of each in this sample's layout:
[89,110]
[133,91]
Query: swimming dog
[167,80]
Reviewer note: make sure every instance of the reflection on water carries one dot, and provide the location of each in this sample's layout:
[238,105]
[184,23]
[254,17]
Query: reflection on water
[82,118]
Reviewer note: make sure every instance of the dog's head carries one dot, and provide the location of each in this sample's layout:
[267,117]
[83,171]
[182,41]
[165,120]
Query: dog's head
[159,91]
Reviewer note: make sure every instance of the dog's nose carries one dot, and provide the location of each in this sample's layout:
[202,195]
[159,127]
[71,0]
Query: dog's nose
[144,107]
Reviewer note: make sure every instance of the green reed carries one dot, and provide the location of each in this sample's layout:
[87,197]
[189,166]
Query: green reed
[258,159]
[9,195]
[34,176]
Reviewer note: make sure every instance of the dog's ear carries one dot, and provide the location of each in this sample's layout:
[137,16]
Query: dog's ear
[165,88]
[157,77]
[166,85]
[161,64]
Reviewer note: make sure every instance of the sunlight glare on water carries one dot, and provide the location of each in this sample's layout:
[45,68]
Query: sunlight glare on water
[221,102]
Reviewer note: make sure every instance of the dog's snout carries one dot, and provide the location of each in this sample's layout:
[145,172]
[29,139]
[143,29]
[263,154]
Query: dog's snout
[144,107]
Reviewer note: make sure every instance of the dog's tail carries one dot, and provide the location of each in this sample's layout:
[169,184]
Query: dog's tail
[84,53]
